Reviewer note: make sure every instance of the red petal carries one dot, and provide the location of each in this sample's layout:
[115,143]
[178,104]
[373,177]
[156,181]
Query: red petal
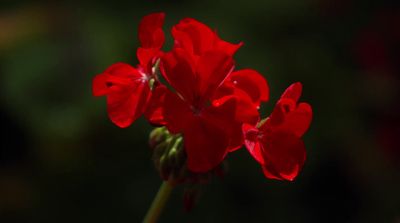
[228,48]
[114,78]
[282,108]
[127,93]
[155,108]
[123,70]
[293,91]
[193,35]
[150,31]
[206,144]
[177,69]
[243,111]
[298,120]
[124,107]
[99,87]
[251,142]
[246,112]
[289,117]
[197,38]
[253,83]
[176,112]
[284,155]
[212,68]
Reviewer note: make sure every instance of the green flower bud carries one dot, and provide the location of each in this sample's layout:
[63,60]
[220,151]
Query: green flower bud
[169,158]
[157,136]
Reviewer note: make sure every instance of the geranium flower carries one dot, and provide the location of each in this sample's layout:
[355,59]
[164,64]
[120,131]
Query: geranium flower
[203,108]
[207,123]
[276,142]
[127,88]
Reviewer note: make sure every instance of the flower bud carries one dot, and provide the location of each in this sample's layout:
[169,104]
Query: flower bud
[157,136]
[164,168]
[169,158]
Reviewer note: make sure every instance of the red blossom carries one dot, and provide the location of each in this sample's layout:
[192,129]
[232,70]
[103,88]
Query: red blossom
[127,88]
[215,109]
[208,124]
[276,142]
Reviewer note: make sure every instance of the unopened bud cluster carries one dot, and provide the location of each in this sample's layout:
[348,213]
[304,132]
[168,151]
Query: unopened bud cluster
[169,158]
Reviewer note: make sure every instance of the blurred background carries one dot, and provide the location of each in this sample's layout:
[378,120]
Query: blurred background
[62,160]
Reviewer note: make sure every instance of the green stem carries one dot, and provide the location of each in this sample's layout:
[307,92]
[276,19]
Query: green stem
[158,203]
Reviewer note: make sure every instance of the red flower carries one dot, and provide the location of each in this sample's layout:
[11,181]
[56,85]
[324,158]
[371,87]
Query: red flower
[276,143]
[197,38]
[207,123]
[127,88]
[215,109]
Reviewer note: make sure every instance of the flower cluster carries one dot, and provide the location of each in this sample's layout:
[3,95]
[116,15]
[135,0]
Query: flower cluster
[194,91]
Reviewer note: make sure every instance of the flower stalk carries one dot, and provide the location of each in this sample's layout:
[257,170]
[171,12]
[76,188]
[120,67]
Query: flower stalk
[158,203]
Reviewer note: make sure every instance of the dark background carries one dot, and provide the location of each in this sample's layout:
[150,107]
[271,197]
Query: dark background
[62,160]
